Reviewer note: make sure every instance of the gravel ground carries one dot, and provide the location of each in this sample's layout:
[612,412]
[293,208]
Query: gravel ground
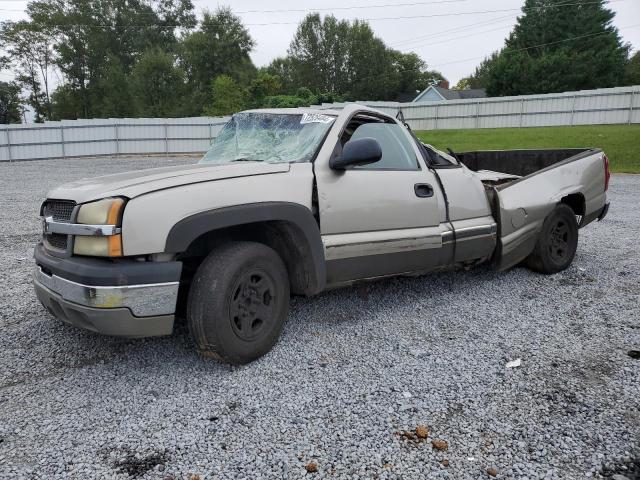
[355,372]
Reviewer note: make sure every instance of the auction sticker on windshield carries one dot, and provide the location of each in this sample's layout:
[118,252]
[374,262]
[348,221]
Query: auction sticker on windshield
[315,118]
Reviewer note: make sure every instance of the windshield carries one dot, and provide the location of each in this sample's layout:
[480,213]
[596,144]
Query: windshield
[268,137]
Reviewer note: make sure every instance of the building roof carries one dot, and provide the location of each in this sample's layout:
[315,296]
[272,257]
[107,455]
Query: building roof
[404,97]
[447,94]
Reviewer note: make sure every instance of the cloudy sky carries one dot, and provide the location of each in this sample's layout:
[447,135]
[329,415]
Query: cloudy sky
[451,35]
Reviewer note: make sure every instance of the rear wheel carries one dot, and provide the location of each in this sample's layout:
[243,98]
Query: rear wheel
[557,242]
[238,302]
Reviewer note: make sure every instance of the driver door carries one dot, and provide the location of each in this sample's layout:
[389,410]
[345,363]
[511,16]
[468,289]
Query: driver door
[382,218]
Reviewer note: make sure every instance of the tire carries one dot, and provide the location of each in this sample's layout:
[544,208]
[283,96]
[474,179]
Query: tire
[238,302]
[557,243]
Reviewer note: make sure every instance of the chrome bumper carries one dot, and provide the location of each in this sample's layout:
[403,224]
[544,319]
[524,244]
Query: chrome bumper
[142,300]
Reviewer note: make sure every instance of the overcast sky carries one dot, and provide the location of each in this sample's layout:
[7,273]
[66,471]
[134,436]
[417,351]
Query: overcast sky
[450,35]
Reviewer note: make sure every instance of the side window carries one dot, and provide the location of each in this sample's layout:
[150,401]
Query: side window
[397,153]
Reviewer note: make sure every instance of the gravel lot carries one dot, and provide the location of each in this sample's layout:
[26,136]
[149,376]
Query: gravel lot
[354,369]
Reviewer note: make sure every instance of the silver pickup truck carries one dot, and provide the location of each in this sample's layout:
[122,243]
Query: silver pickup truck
[295,201]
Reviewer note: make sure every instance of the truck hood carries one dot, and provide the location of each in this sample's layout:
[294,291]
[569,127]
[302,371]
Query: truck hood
[136,183]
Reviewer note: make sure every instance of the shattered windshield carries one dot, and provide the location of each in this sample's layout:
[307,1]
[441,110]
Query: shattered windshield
[269,137]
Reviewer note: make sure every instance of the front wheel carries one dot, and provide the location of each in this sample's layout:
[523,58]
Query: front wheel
[238,302]
[557,242]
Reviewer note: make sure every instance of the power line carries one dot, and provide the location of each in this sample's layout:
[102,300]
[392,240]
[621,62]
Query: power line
[404,17]
[470,26]
[300,10]
[287,10]
[437,15]
[487,22]
[446,40]
[537,46]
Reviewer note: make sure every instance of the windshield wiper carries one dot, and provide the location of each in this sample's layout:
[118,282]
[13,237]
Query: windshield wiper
[244,160]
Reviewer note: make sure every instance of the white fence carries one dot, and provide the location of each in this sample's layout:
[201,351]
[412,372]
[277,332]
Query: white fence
[122,136]
[76,138]
[620,105]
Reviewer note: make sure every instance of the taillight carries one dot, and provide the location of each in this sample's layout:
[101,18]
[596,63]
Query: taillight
[607,173]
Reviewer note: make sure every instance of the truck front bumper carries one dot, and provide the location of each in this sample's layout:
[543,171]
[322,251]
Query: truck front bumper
[124,298]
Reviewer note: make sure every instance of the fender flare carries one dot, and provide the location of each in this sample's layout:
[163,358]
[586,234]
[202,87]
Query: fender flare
[183,233]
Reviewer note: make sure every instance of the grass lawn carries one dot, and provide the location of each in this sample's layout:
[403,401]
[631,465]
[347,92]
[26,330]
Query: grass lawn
[621,143]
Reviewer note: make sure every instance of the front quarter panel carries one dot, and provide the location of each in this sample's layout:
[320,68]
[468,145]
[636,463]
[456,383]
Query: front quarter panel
[148,218]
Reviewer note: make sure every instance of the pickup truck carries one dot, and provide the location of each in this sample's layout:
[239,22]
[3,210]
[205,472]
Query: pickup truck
[296,201]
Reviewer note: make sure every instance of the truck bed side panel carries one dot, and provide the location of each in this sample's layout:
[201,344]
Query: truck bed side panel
[524,204]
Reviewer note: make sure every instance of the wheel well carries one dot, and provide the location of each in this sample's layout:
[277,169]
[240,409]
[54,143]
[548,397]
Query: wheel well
[576,202]
[284,237]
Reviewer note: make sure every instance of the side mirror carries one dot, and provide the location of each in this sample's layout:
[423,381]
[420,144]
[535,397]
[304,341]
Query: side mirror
[357,152]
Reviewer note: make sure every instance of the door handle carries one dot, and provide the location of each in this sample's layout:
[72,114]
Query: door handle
[423,190]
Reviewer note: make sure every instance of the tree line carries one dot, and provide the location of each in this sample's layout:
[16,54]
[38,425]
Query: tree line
[558,46]
[154,58]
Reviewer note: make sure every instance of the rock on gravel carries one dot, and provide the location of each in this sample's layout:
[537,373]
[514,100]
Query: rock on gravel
[78,405]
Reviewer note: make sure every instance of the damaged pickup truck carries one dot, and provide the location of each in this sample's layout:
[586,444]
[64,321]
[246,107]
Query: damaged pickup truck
[295,201]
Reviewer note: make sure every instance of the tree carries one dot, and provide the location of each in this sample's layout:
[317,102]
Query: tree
[29,52]
[282,67]
[114,90]
[557,48]
[372,72]
[264,85]
[463,84]
[10,102]
[85,34]
[632,70]
[480,77]
[158,85]
[413,74]
[346,58]
[227,97]
[319,53]
[220,46]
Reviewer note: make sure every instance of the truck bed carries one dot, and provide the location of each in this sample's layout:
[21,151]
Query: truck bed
[519,162]
[523,187]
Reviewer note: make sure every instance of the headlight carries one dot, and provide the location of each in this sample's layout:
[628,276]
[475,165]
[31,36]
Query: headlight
[102,212]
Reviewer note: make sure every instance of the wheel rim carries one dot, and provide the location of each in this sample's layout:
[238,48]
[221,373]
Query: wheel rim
[252,304]
[559,241]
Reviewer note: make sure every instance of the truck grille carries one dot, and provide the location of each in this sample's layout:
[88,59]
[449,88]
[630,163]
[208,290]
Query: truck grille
[57,240]
[61,211]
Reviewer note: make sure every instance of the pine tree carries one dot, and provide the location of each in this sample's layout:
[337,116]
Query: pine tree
[556,47]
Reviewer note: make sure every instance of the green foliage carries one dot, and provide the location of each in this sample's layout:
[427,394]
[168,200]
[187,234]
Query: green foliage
[304,92]
[27,47]
[282,67]
[114,89]
[620,142]
[10,103]
[264,85]
[157,85]
[285,101]
[227,97]
[152,58]
[480,77]
[67,103]
[463,84]
[302,98]
[632,70]
[336,56]
[119,58]
[557,49]
[220,46]
[85,34]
